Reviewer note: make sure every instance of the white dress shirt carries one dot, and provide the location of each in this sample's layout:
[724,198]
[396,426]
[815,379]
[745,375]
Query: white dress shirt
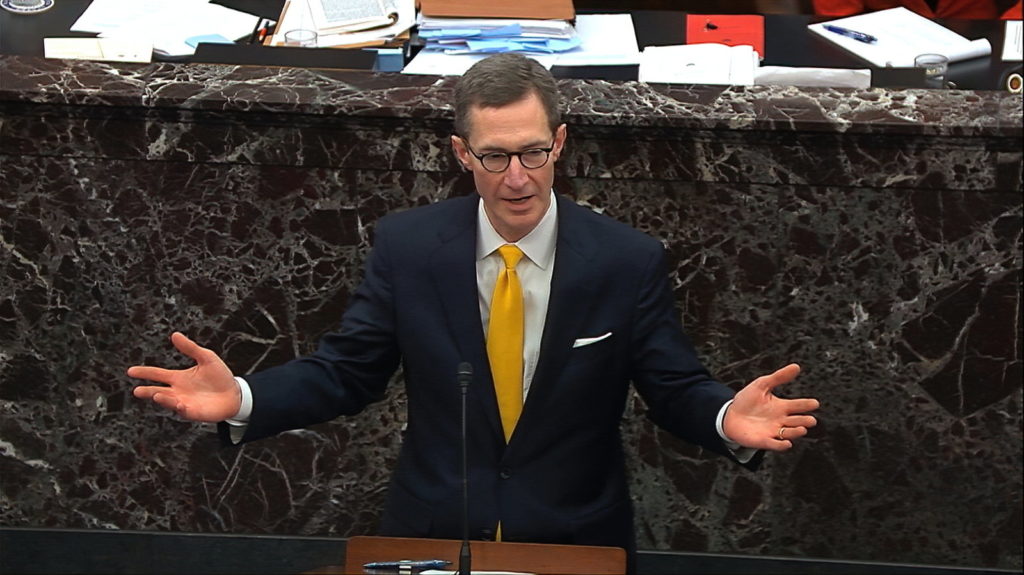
[534,272]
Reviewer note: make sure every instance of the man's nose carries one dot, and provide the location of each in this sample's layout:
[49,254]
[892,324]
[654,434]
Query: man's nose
[515,175]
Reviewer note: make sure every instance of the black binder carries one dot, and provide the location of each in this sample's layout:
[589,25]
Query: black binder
[288,56]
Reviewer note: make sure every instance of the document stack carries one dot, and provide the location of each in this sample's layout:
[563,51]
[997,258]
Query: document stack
[457,33]
[493,35]
[167,29]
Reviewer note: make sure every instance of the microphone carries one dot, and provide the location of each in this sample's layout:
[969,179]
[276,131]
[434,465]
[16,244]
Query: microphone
[464,376]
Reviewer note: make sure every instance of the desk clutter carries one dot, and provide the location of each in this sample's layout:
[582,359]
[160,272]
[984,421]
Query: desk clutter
[893,38]
[168,29]
[445,37]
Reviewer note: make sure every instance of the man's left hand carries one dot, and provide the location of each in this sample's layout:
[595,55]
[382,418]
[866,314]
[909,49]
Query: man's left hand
[759,419]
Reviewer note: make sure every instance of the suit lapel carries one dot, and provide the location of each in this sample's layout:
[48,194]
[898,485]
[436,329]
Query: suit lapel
[572,296]
[453,269]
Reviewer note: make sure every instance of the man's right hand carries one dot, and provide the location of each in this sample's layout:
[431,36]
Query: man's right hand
[204,392]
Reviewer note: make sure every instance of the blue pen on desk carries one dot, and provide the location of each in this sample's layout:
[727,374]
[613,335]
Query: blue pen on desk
[858,36]
[413,565]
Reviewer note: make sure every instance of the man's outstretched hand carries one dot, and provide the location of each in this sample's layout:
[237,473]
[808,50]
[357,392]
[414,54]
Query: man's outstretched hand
[759,419]
[205,392]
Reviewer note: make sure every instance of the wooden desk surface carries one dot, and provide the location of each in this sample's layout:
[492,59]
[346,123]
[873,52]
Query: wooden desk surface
[486,555]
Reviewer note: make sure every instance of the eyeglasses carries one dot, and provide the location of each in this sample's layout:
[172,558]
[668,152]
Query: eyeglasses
[497,162]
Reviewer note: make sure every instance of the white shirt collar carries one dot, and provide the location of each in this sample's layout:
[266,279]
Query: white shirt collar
[538,245]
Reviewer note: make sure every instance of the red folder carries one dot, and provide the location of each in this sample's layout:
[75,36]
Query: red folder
[728,29]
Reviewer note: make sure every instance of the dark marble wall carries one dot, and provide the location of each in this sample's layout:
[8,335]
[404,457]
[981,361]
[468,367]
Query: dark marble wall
[874,237]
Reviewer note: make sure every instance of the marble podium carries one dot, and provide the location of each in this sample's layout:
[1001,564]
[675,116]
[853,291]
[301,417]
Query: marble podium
[872,236]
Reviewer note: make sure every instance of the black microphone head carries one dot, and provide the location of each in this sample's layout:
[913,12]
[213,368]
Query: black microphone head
[465,373]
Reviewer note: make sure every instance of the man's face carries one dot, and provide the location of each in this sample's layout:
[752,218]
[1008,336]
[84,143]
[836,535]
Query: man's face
[516,199]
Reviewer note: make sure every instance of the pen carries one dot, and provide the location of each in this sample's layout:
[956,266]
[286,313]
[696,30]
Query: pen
[409,564]
[256,31]
[858,36]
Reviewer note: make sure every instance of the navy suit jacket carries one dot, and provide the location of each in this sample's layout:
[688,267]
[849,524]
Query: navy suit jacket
[561,478]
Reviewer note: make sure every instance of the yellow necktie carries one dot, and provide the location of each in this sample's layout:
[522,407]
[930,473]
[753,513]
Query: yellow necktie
[505,340]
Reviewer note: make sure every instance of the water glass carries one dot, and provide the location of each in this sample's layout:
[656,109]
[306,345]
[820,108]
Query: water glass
[935,66]
[300,37]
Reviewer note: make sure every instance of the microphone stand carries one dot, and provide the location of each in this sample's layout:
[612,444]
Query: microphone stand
[465,375]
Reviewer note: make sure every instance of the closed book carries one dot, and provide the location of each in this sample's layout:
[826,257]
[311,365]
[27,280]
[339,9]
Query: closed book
[534,9]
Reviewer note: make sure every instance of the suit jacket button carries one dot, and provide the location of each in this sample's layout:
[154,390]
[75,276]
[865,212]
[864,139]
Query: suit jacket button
[505,473]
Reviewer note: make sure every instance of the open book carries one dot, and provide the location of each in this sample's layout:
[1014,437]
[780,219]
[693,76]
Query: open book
[340,16]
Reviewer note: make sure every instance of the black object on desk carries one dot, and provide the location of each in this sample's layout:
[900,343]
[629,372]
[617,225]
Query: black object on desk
[614,73]
[290,56]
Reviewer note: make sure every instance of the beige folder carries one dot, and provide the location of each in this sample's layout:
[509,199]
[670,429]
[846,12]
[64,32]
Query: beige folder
[539,9]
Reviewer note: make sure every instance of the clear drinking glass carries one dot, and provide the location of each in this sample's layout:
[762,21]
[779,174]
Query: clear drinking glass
[935,67]
[300,37]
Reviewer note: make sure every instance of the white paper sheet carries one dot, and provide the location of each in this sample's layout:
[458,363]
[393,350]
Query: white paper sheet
[699,64]
[606,39]
[441,64]
[169,30]
[108,15]
[902,35]
[101,49]
[812,77]
[1013,44]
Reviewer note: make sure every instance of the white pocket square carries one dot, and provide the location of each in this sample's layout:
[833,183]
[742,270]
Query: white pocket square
[589,340]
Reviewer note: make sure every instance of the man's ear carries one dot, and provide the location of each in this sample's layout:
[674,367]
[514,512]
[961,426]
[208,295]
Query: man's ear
[461,154]
[560,135]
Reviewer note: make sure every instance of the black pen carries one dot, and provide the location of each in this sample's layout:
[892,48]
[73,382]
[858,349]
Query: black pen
[858,36]
[256,31]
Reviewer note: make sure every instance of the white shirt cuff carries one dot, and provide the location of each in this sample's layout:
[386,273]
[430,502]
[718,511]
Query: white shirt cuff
[240,421]
[742,454]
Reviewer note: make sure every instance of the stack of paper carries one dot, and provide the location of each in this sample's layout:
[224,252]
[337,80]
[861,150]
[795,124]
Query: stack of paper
[99,49]
[719,64]
[605,39]
[901,35]
[601,39]
[168,26]
[699,64]
[493,35]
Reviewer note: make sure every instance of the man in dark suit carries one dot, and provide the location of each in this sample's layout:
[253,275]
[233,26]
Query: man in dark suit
[556,308]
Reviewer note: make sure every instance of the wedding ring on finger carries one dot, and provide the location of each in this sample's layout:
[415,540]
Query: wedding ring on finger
[782,433]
